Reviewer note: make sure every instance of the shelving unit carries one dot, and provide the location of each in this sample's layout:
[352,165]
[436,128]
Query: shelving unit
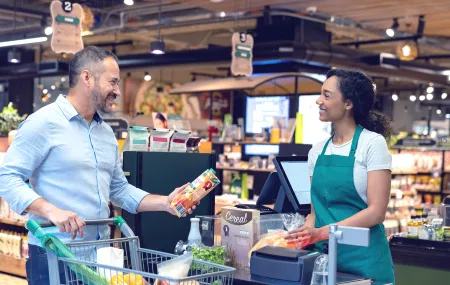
[13,265]
[244,169]
[11,222]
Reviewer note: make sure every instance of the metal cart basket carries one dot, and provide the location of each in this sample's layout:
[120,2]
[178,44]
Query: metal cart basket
[140,265]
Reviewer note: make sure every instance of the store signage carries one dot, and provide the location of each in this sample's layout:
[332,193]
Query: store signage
[66,24]
[242,54]
[67,6]
[416,142]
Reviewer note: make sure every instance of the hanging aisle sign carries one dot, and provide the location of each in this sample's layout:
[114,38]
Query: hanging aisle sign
[66,24]
[242,54]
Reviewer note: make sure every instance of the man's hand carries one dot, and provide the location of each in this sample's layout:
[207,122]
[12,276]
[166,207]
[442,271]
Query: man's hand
[67,221]
[173,195]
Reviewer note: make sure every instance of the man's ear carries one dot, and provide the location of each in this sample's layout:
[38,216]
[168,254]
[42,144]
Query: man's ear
[84,77]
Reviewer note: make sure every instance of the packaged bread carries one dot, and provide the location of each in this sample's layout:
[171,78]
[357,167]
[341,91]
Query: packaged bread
[193,193]
[275,238]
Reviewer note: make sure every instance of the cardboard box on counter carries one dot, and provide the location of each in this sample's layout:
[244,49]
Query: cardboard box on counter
[240,232]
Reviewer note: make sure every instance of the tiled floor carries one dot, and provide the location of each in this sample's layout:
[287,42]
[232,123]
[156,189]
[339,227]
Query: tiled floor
[9,280]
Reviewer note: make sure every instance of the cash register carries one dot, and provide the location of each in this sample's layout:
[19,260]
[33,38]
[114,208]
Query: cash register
[290,188]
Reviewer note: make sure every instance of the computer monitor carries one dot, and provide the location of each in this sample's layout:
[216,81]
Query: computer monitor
[289,187]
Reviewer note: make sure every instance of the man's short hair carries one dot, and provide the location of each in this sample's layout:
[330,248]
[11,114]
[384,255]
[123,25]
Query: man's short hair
[89,58]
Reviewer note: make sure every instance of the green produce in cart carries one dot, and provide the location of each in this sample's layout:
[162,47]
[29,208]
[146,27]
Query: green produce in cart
[52,243]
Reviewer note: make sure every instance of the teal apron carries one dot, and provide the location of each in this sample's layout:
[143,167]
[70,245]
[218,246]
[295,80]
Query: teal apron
[335,198]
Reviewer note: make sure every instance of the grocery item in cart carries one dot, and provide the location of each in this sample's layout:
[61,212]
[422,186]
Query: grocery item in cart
[176,268]
[128,279]
[193,193]
[109,256]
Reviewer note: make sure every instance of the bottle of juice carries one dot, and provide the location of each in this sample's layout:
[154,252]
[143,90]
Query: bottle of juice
[413,228]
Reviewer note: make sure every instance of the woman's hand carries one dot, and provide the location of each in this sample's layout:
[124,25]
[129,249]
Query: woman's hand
[304,236]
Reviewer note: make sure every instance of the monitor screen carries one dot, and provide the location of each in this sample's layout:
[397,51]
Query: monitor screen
[297,175]
[261,111]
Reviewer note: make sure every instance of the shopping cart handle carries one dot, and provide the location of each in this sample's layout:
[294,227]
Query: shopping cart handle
[95,222]
[118,221]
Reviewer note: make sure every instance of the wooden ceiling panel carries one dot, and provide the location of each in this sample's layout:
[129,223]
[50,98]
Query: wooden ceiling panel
[377,13]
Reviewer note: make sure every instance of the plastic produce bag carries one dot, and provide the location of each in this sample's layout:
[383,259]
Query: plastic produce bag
[175,268]
[276,237]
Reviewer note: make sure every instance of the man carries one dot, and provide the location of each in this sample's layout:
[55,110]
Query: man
[70,156]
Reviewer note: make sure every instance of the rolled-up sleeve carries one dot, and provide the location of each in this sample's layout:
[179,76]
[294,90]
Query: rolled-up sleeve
[123,194]
[27,151]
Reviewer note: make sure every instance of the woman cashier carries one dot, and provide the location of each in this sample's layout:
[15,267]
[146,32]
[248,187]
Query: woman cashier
[351,176]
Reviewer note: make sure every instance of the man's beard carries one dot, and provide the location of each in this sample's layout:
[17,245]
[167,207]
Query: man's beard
[101,103]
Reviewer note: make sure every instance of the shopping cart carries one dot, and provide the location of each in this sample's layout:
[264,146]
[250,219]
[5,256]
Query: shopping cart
[140,265]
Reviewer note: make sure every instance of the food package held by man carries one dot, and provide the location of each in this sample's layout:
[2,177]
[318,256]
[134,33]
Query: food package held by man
[193,193]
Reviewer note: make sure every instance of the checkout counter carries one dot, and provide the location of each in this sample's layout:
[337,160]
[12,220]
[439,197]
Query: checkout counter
[289,190]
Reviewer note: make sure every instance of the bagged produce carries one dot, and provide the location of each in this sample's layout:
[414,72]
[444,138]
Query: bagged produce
[176,268]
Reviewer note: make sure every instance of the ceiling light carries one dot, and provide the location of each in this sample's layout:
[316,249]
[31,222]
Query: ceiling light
[412,98]
[147,77]
[391,31]
[63,79]
[14,56]
[444,95]
[23,42]
[438,111]
[394,97]
[158,47]
[430,89]
[447,116]
[45,91]
[429,96]
[48,31]
[128,2]
[407,50]
[53,87]
[222,14]
[422,97]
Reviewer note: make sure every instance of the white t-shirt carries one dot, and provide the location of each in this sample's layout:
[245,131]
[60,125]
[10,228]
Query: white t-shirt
[371,154]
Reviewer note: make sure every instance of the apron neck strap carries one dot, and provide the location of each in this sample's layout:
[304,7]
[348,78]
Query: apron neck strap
[356,136]
[355,139]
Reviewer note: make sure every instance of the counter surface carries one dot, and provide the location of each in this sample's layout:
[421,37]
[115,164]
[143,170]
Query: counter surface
[244,278]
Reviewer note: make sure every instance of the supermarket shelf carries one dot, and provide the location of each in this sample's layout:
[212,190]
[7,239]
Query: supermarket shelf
[243,169]
[411,172]
[428,192]
[11,222]
[12,265]
[243,143]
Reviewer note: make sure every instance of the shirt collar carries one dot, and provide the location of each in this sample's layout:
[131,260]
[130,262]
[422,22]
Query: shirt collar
[69,111]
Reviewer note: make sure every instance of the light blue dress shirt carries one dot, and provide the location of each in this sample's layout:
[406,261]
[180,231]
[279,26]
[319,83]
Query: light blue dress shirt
[72,165]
